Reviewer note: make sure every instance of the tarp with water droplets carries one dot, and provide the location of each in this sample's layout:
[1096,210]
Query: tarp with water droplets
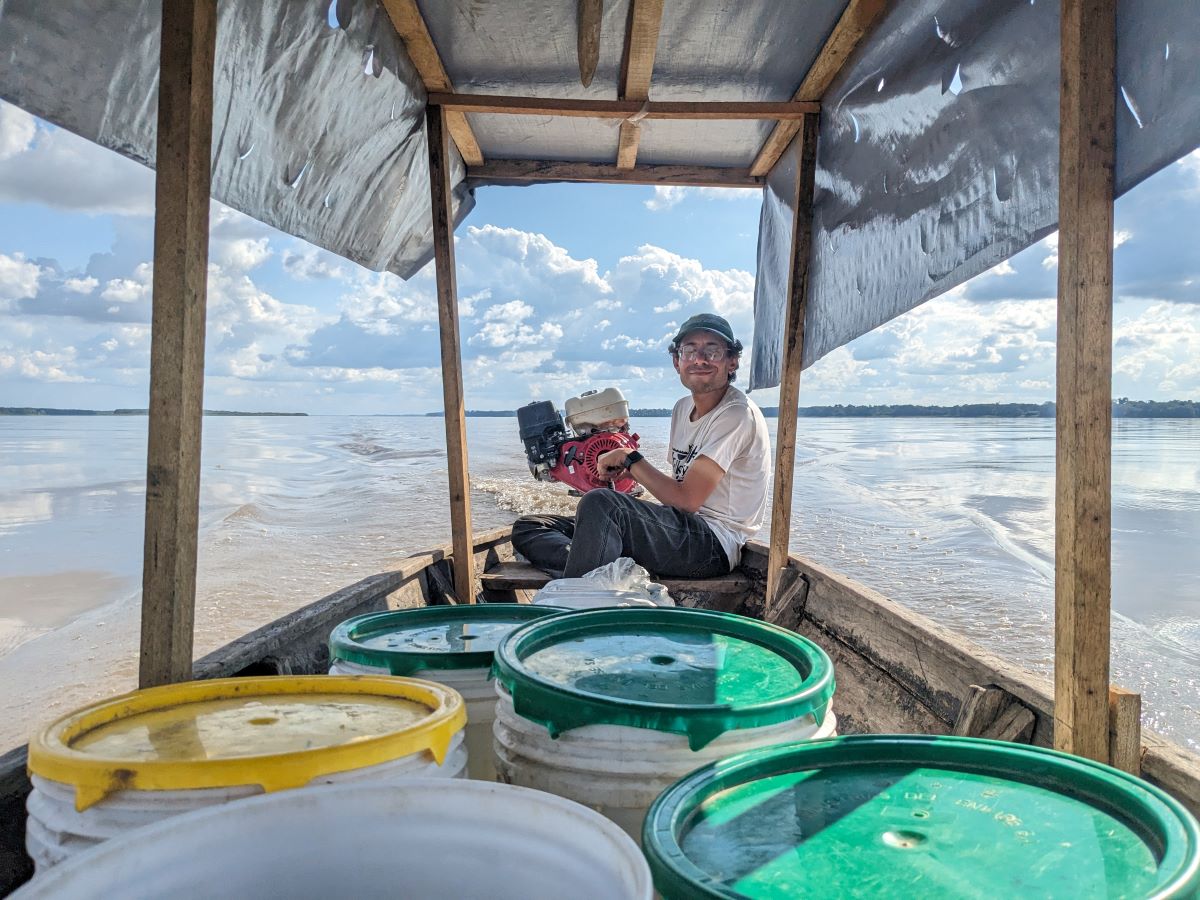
[938,156]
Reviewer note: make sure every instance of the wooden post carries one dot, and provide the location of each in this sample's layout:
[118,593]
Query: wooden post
[793,356]
[181,190]
[452,381]
[1125,730]
[1082,585]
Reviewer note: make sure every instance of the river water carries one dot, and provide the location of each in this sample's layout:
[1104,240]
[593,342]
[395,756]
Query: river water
[952,517]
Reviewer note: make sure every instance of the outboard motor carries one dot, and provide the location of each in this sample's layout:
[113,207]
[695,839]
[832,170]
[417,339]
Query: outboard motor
[567,451]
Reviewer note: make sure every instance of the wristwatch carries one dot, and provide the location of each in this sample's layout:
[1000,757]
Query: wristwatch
[632,458]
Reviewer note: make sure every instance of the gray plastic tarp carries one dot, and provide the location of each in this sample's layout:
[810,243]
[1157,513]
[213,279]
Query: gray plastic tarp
[318,124]
[938,156]
[752,50]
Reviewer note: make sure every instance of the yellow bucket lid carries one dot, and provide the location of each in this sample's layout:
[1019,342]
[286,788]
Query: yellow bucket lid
[276,732]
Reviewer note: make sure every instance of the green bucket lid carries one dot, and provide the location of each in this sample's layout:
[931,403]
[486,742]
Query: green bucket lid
[687,671]
[431,637]
[918,816]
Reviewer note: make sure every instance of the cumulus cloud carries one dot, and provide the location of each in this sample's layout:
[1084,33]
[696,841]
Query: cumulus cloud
[80,285]
[55,168]
[41,365]
[505,327]
[242,254]
[18,277]
[668,197]
[283,316]
[312,263]
[17,129]
[1153,241]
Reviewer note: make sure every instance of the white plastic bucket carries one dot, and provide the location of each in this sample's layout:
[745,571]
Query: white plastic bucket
[619,770]
[477,691]
[414,839]
[55,831]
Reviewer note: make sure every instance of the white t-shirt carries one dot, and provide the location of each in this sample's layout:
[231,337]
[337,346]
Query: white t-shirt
[734,436]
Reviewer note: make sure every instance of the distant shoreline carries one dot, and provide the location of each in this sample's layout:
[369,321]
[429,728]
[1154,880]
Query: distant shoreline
[49,411]
[1122,409]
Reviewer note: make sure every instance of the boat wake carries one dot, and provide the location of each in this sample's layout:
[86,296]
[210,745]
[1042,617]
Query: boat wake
[527,497]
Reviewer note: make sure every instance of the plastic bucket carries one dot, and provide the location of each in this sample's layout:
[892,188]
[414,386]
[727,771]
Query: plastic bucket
[452,645]
[124,763]
[479,694]
[412,839]
[918,816]
[609,707]
[618,770]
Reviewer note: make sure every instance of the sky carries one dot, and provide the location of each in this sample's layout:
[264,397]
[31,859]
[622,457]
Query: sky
[562,288]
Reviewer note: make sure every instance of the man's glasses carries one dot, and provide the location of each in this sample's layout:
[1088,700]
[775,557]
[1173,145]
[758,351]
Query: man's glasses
[709,354]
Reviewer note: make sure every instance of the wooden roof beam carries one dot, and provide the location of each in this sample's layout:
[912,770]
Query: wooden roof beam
[553,170]
[410,26]
[620,109]
[637,66]
[856,22]
[590,14]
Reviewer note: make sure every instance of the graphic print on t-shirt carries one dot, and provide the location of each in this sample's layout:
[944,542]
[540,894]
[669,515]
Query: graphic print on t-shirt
[681,460]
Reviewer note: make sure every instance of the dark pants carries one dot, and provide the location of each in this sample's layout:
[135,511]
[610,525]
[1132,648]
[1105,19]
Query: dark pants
[608,525]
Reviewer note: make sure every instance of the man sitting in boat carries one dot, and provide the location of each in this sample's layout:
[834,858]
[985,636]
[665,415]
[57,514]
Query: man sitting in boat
[713,501]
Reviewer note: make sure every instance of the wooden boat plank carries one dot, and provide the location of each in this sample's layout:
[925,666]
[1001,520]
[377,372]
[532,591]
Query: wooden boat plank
[992,712]
[15,866]
[860,627]
[868,699]
[933,662]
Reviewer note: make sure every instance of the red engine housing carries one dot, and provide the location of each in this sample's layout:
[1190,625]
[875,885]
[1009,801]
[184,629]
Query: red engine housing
[577,461]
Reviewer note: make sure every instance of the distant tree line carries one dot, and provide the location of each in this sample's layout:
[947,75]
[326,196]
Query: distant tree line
[1123,408]
[48,411]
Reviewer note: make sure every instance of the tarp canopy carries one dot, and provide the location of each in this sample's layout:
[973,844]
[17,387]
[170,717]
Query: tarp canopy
[755,50]
[938,145]
[938,156]
[318,129]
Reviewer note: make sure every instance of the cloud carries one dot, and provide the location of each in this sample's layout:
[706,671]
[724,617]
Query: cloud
[297,326]
[1154,250]
[61,170]
[80,285]
[505,327]
[666,198]
[524,295]
[312,263]
[18,277]
[41,365]
[242,254]
[17,129]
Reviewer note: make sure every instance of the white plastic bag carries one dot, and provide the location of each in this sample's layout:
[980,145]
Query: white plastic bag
[621,582]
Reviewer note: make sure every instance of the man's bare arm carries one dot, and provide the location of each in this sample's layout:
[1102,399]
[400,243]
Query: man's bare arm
[702,478]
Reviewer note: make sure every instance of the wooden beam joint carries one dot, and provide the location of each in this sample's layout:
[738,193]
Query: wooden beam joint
[786,607]
[503,104]
[993,713]
[410,26]
[856,22]
[553,170]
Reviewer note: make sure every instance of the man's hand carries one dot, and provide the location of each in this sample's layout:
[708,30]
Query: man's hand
[612,462]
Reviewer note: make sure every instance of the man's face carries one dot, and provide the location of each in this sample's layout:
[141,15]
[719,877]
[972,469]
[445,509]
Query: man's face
[703,362]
